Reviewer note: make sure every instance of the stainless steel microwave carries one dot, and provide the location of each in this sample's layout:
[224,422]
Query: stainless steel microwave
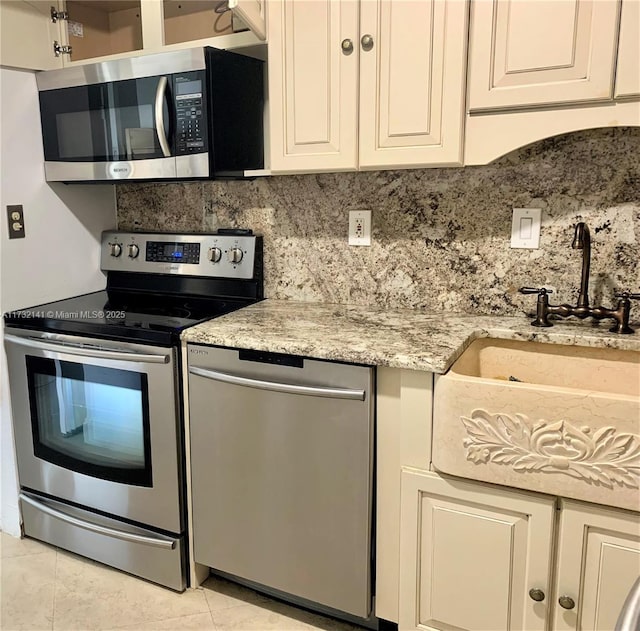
[189,114]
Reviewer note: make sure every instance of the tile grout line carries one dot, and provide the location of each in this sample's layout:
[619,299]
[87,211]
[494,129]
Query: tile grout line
[55,589]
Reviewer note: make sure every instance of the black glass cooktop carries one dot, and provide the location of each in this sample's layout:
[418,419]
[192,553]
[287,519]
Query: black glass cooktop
[122,315]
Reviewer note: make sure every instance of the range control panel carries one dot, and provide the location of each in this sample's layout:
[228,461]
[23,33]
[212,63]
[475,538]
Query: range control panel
[163,252]
[214,255]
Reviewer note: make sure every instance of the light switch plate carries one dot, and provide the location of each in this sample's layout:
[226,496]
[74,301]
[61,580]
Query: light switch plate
[525,228]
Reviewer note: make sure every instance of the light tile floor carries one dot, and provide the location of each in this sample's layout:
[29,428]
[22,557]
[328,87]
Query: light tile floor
[43,587]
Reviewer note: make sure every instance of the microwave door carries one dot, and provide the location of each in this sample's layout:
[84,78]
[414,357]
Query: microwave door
[115,130]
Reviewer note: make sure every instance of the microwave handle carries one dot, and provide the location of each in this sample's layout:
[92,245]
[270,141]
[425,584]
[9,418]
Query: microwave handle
[160,128]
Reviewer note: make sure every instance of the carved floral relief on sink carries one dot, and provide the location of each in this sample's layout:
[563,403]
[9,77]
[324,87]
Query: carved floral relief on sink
[604,457]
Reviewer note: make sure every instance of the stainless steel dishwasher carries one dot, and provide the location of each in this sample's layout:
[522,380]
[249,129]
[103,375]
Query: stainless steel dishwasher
[282,461]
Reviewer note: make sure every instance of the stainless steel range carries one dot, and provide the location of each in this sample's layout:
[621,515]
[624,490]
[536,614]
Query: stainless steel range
[96,397]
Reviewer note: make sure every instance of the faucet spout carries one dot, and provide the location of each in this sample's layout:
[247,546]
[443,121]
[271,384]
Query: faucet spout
[582,241]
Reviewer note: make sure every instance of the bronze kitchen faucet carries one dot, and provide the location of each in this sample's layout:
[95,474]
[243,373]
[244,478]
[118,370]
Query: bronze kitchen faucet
[582,310]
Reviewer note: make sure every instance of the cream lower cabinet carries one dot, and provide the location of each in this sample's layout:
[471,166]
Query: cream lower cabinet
[469,555]
[474,557]
[366,84]
[598,562]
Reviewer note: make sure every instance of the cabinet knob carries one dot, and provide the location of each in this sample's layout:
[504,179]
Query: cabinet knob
[367,42]
[566,602]
[347,46]
[536,594]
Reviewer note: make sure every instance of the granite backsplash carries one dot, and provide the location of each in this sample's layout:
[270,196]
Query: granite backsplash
[441,237]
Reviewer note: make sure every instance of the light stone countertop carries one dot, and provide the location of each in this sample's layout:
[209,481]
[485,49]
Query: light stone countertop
[398,338]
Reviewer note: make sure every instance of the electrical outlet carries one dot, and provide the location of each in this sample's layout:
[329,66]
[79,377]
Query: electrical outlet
[359,227]
[15,215]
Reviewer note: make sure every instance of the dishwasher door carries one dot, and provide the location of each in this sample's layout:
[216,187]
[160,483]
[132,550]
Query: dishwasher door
[282,466]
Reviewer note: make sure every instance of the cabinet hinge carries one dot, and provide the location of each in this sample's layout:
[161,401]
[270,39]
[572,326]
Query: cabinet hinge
[58,15]
[58,49]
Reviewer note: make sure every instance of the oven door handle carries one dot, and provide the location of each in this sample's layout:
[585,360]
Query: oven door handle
[167,544]
[159,113]
[95,353]
[273,386]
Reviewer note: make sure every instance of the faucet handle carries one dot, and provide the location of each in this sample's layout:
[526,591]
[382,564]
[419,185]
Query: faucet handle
[542,291]
[542,308]
[624,308]
[626,295]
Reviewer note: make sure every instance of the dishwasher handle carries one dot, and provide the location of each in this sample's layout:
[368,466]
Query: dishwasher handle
[274,386]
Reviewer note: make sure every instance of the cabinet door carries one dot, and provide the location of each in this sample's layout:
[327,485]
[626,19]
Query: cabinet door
[202,22]
[313,84]
[252,13]
[27,35]
[627,71]
[470,553]
[412,82]
[526,53]
[598,562]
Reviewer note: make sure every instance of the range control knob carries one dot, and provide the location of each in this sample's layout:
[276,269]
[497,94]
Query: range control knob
[116,249]
[235,255]
[134,250]
[215,254]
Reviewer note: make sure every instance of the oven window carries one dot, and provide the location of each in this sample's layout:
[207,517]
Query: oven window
[91,419]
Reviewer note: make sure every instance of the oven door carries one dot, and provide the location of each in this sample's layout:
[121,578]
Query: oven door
[95,423]
[106,131]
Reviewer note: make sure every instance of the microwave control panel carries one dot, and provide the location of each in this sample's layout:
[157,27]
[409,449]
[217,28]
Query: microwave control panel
[191,130]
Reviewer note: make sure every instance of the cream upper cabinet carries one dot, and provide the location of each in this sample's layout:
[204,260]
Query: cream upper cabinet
[369,84]
[252,13]
[540,52]
[469,555]
[628,69]
[598,562]
[197,22]
[27,35]
[89,30]
[412,82]
[313,83]
[98,28]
